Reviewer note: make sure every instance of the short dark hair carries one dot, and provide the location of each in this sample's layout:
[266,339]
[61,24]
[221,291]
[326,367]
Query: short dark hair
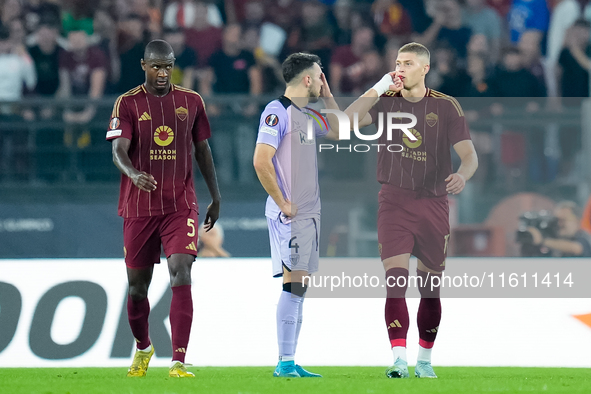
[158,49]
[296,63]
[582,23]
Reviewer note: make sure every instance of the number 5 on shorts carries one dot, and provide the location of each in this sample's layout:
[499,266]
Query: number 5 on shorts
[191,224]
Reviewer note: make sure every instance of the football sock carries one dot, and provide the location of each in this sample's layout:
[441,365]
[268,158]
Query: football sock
[396,312]
[424,354]
[429,314]
[298,325]
[181,318]
[399,352]
[137,314]
[287,317]
[146,350]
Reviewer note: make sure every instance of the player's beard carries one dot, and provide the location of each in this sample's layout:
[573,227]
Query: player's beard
[313,97]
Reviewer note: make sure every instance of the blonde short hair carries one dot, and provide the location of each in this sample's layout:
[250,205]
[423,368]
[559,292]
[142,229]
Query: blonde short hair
[417,49]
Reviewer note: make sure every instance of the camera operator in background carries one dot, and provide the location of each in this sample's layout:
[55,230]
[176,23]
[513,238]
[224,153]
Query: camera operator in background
[570,239]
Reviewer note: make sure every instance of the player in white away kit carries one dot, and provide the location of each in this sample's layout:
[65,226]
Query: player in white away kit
[286,164]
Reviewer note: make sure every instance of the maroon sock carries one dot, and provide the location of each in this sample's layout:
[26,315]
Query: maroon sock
[181,318]
[397,319]
[429,314]
[137,314]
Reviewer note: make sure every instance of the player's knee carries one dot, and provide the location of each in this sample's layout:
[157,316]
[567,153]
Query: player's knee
[429,284]
[296,288]
[396,282]
[138,292]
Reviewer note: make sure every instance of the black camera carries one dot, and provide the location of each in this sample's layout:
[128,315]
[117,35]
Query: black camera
[543,221]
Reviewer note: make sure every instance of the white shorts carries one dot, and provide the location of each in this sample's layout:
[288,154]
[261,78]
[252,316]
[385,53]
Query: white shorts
[294,245]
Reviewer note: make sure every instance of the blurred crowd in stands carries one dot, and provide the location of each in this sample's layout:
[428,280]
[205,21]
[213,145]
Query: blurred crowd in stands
[494,48]
[90,49]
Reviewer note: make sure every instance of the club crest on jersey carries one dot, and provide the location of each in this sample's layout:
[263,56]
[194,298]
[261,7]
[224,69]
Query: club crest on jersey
[181,113]
[271,120]
[431,119]
[413,144]
[163,136]
[114,123]
[294,259]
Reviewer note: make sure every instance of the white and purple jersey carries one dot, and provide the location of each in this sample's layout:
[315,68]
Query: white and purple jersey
[284,126]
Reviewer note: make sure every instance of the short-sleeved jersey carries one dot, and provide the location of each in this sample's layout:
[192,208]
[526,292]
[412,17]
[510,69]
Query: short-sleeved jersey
[162,131]
[284,126]
[424,164]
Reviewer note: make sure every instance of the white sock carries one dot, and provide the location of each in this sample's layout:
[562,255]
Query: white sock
[146,349]
[174,362]
[286,358]
[424,354]
[399,352]
[298,324]
[287,318]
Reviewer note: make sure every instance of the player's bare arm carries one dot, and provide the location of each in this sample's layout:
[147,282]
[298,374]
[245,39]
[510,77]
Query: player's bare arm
[263,165]
[365,102]
[467,153]
[207,168]
[141,179]
[330,103]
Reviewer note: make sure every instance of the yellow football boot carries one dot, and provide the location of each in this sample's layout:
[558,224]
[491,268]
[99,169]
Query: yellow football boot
[178,370]
[140,363]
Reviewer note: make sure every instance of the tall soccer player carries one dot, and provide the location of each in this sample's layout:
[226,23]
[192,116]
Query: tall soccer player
[413,216]
[286,164]
[153,129]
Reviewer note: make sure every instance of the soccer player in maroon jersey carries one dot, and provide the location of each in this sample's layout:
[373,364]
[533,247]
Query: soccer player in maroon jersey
[153,129]
[413,216]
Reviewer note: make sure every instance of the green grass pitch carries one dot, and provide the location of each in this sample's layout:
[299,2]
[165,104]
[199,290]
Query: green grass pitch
[247,380]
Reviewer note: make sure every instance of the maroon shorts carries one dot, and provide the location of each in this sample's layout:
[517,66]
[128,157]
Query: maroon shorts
[410,224]
[142,237]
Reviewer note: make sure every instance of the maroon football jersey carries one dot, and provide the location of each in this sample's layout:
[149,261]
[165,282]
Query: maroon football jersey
[424,164]
[162,131]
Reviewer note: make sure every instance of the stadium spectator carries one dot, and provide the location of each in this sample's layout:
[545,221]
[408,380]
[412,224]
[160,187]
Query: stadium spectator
[418,15]
[526,15]
[40,12]
[447,27]
[445,75]
[482,19]
[511,79]
[530,48]
[202,36]
[575,62]
[182,14]
[131,50]
[391,53]
[210,242]
[11,10]
[232,69]
[82,74]
[18,71]
[346,69]
[105,36]
[77,15]
[46,55]
[564,14]
[287,13]
[391,18]
[478,85]
[150,16]
[316,30]
[183,73]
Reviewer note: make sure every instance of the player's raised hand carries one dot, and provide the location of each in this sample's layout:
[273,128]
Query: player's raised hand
[397,86]
[325,89]
[144,181]
[212,216]
[289,209]
[455,183]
